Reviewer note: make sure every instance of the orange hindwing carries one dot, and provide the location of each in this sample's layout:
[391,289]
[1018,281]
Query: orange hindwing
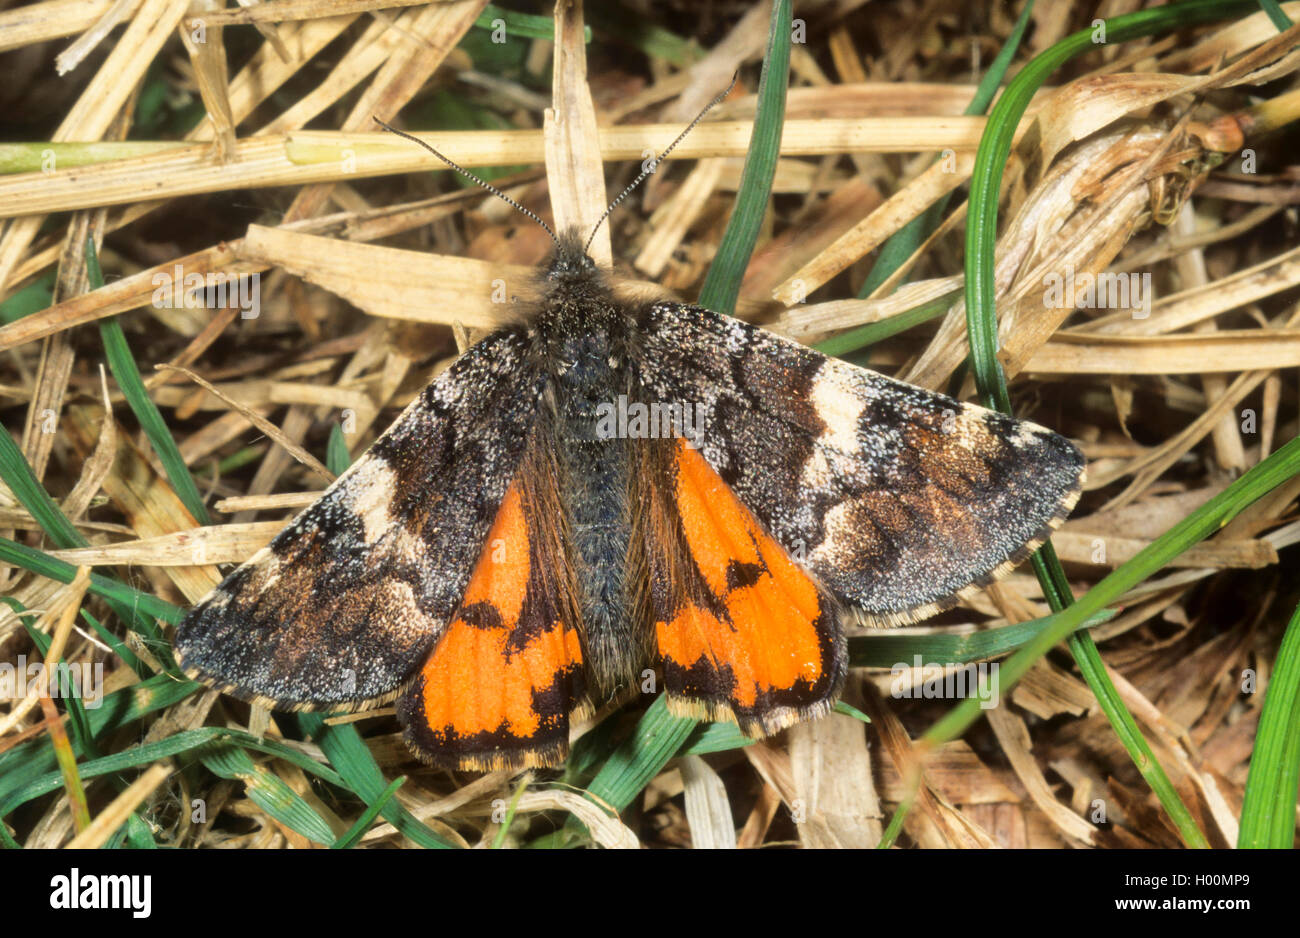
[499,685]
[741,630]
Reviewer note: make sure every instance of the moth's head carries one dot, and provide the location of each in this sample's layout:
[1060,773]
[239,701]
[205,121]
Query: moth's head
[570,260]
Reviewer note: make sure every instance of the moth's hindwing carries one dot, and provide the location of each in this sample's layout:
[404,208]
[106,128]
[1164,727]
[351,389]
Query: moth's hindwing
[895,498]
[346,601]
[741,631]
[498,688]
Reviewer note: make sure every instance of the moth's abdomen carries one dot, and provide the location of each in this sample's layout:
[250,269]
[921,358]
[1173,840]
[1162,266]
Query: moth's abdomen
[595,484]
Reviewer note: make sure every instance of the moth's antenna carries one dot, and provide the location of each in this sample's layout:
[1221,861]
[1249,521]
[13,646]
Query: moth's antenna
[470,176]
[654,164]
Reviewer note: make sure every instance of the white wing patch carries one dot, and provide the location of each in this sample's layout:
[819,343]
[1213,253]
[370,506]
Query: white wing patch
[371,485]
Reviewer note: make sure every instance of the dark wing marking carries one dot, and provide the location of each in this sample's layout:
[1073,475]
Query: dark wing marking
[498,688]
[896,498]
[344,603]
[741,632]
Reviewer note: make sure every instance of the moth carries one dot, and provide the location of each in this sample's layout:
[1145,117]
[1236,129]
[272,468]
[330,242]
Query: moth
[606,489]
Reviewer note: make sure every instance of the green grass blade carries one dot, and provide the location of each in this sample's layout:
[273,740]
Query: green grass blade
[511,810]
[40,156]
[245,456]
[347,752]
[138,834]
[523,25]
[1269,804]
[83,736]
[1276,14]
[589,753]
[642,34]
[860,337]
[29,770]
[19,555]
[353,836]
[657,738]
[337,457]
[129,658]
[18,475]
[14,795]
[887,651]
[32,298]
[224,753]
[722,285]
[714,737]
[122,363]
[987,89]
[267,790]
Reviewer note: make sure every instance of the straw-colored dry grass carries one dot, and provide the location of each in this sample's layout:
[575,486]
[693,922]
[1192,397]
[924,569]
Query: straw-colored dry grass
[1166,158]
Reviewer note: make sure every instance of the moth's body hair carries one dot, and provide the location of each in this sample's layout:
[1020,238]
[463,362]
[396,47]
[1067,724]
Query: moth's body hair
[582,338]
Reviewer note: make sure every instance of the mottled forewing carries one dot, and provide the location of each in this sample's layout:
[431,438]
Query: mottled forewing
[896,498]
[344,603]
